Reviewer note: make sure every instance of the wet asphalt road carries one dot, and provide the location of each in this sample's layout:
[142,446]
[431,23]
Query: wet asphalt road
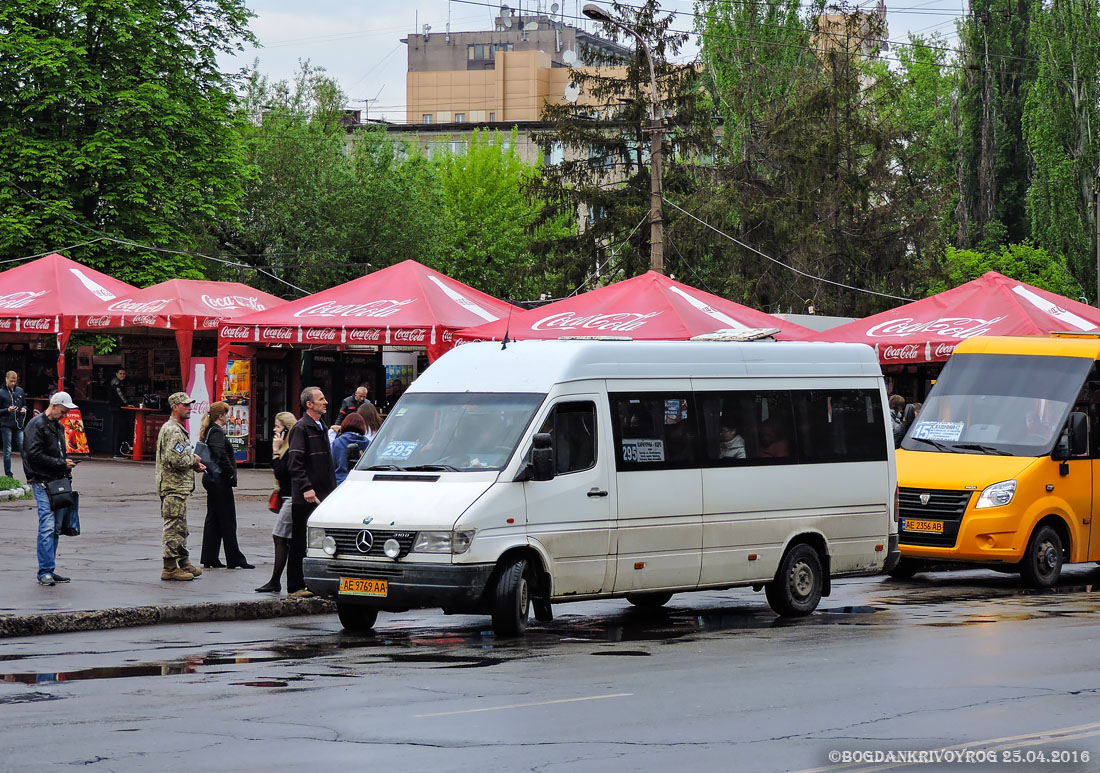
[962,661]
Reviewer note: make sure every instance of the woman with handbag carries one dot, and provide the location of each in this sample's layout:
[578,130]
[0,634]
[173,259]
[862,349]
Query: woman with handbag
[280,500]
[219,481]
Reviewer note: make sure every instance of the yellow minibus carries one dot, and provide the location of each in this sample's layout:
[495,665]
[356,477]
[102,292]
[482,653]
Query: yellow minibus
[1002,465]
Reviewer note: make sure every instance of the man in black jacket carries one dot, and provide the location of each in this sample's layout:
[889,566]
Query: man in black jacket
[121,421]
[312,478]
[13,415]
[44,459]
[352,403]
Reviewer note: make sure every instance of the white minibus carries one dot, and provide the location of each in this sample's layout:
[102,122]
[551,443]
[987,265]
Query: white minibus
[550,471]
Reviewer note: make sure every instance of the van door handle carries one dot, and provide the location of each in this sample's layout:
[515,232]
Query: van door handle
[597,493]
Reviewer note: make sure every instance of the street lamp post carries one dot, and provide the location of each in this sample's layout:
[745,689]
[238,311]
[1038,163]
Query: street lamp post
[656,205]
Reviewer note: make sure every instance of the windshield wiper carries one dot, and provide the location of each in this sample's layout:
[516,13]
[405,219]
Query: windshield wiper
[384,467]
[983,449]
[433,468]
[935,443]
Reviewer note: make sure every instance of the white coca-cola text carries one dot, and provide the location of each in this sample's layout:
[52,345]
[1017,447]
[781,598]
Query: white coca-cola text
[240,331]
[368,335]
[943,350]
[138,307]
[20,299]
[385,308]
[230,302]
[620,322]
[321,334]
[947,327]
[416,336]
[98,321]
[211,322]
[277,333]
[906,352]
[144,319]
[43,323]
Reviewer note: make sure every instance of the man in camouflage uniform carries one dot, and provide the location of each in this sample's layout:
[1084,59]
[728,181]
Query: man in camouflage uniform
[176,467]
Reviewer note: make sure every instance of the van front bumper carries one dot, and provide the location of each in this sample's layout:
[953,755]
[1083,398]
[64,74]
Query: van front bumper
[453,587]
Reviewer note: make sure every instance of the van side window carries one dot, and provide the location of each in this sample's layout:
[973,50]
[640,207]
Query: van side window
[573,428]
[748,428]
[840,425]
[654,431]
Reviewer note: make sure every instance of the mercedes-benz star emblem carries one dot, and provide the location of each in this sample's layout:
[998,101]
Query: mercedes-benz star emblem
[364,540]
[924,498]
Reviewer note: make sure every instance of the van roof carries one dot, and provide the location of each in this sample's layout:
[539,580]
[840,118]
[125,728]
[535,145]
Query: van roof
[533,366]
[1046,346]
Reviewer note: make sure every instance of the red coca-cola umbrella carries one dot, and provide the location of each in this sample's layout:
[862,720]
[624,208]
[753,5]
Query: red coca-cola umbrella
[650,307]
[181,305]
[407,304]
[46,296]
[928,330]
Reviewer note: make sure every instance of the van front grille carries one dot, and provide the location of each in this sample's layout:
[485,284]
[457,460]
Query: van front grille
[346,541]
[942,505]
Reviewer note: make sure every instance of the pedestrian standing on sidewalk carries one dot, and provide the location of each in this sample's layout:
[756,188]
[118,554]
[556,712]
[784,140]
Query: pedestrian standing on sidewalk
[176,467]
[121,431]
[282,530]
[13,416]
[311,480]
[45,460]
[221,511]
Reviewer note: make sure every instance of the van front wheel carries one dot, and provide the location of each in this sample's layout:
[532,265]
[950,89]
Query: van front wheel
[1042,564]
[511,601]
[355,618]
[796,589]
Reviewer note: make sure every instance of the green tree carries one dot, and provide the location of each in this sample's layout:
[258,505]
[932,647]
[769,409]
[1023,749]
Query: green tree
[1019,261]
[116,118]
[1060,125]
[493,217]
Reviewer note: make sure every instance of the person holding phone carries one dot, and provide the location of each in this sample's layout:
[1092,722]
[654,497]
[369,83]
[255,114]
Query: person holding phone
[13,417]
[282,530]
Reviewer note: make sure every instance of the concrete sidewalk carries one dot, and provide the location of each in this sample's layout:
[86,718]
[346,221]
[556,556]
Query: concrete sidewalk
[115,563]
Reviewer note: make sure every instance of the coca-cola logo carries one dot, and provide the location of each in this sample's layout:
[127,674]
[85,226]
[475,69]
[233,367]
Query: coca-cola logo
[370,335]
[6,324]
[103,321]
[239,331]
[386,308]
[448,336]
[232,302]
[37,324]
[127,306]
[944,350]
[211,322]
[20,299]
[416,336]
[277,333]
[619,322]
[321,334]
[947,327]
[907,352]
[144,319]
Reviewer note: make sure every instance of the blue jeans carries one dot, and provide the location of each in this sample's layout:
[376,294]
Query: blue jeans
[10,436]
[47,530]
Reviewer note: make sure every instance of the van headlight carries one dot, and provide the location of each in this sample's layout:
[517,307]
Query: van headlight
[443,541]
[315,536]
[997,495]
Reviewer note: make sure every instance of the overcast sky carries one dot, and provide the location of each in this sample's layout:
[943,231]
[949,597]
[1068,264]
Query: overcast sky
[358,42]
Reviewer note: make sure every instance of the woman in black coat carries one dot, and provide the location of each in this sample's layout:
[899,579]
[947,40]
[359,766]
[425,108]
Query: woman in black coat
[221,511]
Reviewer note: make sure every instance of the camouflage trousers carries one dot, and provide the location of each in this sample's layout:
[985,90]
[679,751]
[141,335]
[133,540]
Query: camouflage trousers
[173,509]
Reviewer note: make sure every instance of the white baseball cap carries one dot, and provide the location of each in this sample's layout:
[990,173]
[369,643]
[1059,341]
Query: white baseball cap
[62,398]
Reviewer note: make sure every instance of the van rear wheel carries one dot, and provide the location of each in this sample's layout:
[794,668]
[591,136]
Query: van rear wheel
[355,618]
[511,601]
[796,590]
[1042,564]
[649,600]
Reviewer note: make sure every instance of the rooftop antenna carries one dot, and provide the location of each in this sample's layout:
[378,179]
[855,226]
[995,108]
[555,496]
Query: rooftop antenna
[507,326]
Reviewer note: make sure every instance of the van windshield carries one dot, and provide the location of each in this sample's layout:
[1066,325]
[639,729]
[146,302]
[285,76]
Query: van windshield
[998,404]
[451,432]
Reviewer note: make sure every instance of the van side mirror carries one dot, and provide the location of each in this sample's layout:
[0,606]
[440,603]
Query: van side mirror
[354,453]
[542,457]
[1074,440]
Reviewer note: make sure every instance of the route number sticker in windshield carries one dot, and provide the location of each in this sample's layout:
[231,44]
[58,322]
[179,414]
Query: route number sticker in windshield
[398,449]
[643,450]
[939,430]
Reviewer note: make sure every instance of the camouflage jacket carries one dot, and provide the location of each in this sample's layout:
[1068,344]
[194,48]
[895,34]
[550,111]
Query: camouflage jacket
[175,460]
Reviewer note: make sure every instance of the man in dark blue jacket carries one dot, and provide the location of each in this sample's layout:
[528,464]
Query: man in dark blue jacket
[13,415]
[312,478]
[44,460]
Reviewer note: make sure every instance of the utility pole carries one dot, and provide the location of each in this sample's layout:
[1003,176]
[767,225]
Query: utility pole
[1096,223]
[656,132]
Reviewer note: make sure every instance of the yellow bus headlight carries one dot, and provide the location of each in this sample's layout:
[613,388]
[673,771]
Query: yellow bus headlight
[997,495]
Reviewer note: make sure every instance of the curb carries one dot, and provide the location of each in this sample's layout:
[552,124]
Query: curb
[13,493]
[127,617]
